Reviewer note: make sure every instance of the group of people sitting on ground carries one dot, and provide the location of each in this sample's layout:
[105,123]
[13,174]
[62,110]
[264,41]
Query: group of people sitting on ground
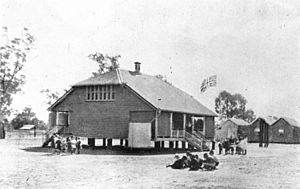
[194,163]
[70,144]
[231,145]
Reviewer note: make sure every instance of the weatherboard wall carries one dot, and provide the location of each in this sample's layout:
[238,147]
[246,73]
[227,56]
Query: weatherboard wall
[110,119]
[101,119]
[290,133]
[254,136]
[209,127]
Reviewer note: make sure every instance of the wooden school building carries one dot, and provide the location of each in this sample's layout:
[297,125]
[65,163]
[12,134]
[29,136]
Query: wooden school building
[274,130]
[285,130]
[259,129]
[134,107]
[232,128]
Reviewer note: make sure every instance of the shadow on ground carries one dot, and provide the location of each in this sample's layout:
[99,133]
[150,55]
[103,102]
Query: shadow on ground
[115,150]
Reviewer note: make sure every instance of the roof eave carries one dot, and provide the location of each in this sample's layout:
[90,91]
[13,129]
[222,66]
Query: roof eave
[193,113]
[60,99]
[140,97]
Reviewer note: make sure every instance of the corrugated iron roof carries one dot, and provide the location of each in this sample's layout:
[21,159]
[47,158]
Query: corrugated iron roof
[268,119]
[27,127]
[108,78]
[291,121]
[239,122]
[160,94]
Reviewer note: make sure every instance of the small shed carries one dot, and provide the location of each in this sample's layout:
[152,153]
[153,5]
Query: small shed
[285,130]
[27,127]
[232,128]
[27,130]
[259,129]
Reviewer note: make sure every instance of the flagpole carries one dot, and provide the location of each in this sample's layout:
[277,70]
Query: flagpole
[219,96]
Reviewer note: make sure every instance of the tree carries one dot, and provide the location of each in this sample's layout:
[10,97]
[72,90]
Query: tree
[51,96]
[13,56]
[105,62]
[249,115]
[233,105]
[27,116]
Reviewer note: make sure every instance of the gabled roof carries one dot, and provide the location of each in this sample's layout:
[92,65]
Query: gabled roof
[158,93]
[60,99]
[108,78]
[239,122]
[290,121]
[268,119]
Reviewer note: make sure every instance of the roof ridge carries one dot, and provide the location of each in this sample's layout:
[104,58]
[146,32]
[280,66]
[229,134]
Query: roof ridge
[291,121]
[119,76]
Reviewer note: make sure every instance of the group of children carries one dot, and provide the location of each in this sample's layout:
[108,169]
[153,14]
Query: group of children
[194,163]
[230,145]
[70,144]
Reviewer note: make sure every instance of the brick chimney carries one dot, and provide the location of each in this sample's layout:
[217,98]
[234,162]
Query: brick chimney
[137,66]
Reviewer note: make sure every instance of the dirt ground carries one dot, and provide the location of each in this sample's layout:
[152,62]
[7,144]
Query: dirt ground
[25,165]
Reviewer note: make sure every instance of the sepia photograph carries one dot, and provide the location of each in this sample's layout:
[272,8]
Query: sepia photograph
[138,94]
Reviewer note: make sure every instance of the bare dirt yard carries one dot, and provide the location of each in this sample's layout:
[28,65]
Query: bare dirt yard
[25,165]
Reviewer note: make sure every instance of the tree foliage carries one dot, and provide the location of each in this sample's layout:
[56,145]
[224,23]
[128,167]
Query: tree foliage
[13,56]
[51,96]
[105,62]
[27,116]
[233,105]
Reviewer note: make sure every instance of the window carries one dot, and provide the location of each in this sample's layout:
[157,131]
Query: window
[257,130]
[100,93]
[281,131]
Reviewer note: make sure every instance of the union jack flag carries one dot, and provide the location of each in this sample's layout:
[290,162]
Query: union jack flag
[208,82]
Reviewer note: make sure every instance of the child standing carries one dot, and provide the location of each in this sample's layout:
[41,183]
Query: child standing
[78,145]
[58,145]
[73,144]
[69,146]
[63,145]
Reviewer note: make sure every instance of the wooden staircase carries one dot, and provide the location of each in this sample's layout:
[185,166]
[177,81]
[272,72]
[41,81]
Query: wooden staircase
[49,133]
[197,140]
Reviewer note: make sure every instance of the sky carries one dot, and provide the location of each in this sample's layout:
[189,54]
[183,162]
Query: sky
[252,46]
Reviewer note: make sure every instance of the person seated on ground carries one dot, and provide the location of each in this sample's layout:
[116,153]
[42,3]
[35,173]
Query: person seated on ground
[179,164]
[212,154]
[176,157]
[194,165]
[199,160]
[209,163]
[189,158]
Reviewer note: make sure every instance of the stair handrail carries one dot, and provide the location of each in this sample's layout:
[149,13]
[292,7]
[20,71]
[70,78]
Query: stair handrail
[201,136]
[51,131]
[192,138]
